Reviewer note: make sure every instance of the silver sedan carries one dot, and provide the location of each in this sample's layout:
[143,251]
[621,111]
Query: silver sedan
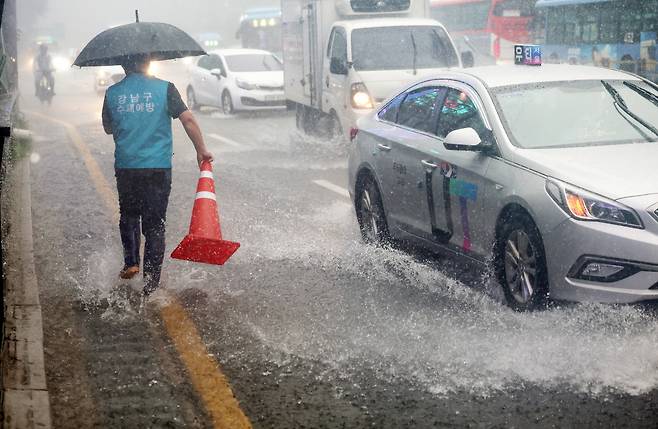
[547,175]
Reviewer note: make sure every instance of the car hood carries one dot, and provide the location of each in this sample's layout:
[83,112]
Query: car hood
[269,78]
[384,83]
[614,171]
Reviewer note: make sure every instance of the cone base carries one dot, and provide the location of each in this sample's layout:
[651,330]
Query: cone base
[205,250]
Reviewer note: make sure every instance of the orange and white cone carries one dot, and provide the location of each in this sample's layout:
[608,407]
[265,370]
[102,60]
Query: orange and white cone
[204,242]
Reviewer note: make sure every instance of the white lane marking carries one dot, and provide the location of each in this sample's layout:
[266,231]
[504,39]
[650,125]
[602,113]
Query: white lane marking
[205,195]
[225,140]
[333,188]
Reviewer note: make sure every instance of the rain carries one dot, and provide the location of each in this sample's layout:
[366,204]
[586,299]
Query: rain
[329,213]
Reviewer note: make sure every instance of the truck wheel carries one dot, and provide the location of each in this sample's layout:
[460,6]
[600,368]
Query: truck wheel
[307,119]
[334,128]
[299,117]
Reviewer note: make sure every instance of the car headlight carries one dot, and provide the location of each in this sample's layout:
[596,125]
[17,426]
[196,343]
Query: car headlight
[245,85]
[360,97]
[61,64]
[584,205]
[153,69]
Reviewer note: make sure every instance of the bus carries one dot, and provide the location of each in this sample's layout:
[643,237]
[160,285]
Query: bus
[617,34]
[261,29]
[487,28]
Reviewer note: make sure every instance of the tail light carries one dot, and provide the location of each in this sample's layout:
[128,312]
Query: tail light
[353,132]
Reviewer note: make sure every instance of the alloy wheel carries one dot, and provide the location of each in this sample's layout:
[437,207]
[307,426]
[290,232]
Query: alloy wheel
[227,103]
[520,266]
[369,218]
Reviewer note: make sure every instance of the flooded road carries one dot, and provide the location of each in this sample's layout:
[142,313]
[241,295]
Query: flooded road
[312,327]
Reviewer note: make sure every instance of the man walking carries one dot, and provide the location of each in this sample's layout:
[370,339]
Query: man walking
[137,112]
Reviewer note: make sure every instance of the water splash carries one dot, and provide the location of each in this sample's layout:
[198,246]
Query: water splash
[350,304]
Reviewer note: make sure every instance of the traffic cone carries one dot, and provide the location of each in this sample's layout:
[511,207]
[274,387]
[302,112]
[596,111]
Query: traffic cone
[203,242]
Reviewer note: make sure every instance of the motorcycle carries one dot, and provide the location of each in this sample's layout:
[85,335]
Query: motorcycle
[44,90]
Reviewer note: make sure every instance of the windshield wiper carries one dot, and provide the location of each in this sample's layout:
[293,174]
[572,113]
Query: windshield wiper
[621,104]
[413,43]
[643,92]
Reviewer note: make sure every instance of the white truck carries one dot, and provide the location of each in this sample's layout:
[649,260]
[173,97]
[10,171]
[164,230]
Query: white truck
[342,58]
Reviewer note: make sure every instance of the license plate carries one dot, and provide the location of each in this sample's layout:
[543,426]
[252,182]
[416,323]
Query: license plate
[274,98]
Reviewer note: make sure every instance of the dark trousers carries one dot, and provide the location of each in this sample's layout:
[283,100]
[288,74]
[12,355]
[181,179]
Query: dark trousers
[143,200]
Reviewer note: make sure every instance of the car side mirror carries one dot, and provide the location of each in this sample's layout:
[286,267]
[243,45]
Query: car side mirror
[338,66]
[468,60]
[465,139]
[217,73]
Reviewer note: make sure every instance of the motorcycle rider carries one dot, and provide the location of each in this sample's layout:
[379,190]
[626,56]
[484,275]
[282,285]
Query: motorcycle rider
[43,66]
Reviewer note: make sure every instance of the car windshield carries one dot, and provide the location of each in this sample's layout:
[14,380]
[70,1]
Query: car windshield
[399,48]
[580,113]
[253,63]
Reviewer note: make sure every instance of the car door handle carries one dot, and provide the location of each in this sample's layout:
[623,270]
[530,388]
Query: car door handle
[428,164]
[383,147]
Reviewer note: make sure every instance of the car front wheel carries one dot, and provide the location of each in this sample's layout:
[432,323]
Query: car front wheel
[191,99]
[227,103]
[370,214]
[521,264]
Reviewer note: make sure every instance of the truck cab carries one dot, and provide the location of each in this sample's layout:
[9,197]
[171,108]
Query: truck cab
[368,60]
[342,58]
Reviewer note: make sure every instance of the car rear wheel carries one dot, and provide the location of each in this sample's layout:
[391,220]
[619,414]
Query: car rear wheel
[191,99]
[521,264]
[370,214]
[227,103]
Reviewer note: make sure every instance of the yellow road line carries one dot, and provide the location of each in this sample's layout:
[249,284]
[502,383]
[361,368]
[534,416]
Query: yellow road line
[205,374]
[208,380]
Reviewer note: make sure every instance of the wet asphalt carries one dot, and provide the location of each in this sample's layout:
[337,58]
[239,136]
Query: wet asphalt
[312,327]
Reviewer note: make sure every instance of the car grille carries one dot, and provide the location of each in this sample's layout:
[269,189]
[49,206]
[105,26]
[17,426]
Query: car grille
[270,88]
[248,101]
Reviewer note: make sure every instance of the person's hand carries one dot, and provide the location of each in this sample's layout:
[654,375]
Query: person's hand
[204,155]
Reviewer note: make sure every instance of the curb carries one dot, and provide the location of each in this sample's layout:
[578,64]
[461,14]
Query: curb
[26,402]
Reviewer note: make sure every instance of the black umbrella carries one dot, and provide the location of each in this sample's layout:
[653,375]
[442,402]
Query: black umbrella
[157,40]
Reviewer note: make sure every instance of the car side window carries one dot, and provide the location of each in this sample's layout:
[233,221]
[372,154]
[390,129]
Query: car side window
[339,47]
[331,42]
[459,111]
[420,108]
[390,112]
[203,62]
[222,67]
[214,62]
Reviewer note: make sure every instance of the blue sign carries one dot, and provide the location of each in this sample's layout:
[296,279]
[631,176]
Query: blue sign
[527,55]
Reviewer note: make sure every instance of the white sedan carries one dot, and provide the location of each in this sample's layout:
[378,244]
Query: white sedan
[236,79]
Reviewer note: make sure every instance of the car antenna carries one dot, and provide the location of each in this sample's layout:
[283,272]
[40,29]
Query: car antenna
[413,43]
[136,15]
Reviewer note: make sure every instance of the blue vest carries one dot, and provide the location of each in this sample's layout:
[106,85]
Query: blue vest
[141,124]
